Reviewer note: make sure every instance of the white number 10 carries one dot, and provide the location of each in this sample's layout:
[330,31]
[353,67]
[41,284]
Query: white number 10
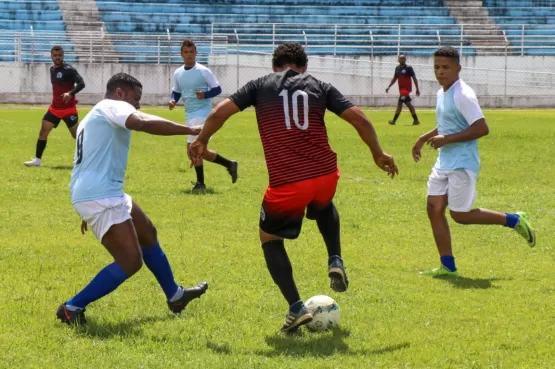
[294,97]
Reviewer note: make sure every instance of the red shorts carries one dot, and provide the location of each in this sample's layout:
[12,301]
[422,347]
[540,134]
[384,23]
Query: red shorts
[283,207]
[69,115]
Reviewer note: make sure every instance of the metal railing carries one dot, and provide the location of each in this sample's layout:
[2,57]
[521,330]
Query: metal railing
[337,39]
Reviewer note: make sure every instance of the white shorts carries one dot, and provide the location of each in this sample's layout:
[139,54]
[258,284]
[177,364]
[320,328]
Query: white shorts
[459,185]
[101,214]
[194,122]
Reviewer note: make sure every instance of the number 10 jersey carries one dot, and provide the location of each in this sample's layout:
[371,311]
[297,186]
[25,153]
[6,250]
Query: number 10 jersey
[290,108]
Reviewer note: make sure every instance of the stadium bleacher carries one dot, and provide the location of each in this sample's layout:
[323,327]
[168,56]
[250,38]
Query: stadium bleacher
[195,16]
[421,24]
[538,17]
[24,22]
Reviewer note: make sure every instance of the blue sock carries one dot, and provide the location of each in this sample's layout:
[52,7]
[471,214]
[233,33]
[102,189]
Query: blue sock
[158,263]
[512,220]
[448,262]
[107,280]
[296,307]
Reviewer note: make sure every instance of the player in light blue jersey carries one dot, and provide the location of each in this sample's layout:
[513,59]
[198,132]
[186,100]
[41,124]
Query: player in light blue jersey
[97,195]
[452,184]
[198,85]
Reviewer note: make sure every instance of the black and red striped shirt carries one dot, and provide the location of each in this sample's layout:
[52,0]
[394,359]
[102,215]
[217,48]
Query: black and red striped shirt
[64,79]
[290,108]
[404,73]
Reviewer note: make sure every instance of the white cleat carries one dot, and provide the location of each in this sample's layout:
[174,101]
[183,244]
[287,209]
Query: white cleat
[35,162]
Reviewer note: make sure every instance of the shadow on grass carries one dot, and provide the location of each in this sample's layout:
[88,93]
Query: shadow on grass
[126,328]
[222,349]
[61,167]
[472,283]
[209,191]
[319,344]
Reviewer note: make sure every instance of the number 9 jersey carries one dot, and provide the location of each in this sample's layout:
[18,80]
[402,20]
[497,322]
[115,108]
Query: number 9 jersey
[101,152]
[290,108]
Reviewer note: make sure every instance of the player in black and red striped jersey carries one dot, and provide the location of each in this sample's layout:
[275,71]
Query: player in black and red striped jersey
[66,83]
[290,106]
[404,75]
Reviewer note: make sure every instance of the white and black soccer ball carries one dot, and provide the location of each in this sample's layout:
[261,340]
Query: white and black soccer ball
[325,311]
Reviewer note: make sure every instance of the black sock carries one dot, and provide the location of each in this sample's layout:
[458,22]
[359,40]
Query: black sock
[396,116]
[281,270]
[414,116]
[328,224]
[200,174]
[41,145]
[222,161]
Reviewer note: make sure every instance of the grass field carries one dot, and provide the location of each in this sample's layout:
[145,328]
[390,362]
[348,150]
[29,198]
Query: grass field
[498,314]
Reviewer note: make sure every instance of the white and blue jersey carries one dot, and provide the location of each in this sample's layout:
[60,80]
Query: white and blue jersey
[187,81]
[102,147]
[456,110]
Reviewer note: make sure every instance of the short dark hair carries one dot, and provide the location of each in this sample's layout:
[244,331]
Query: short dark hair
[56,48]
[448,52]
[289,53]
[122,80]
[188,43]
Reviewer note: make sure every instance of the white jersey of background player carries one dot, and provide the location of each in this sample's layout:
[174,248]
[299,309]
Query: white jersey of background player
[198,85]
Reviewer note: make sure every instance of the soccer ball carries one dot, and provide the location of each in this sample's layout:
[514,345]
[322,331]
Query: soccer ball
[325,311]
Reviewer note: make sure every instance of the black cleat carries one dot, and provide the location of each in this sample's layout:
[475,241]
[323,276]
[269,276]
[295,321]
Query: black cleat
[392,122]
[294,321]
[200,188]
[71,317]
[189,294]
[338,277]
[416,123]
[232,170]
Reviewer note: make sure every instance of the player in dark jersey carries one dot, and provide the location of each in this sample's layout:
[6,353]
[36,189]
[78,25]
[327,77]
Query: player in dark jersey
[66,83]
[403,74]
[290,106]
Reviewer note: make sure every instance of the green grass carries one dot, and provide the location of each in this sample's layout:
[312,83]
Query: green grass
[499,314]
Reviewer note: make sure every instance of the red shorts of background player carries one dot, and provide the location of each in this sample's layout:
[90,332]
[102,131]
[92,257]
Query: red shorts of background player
[69,116]
[283,207]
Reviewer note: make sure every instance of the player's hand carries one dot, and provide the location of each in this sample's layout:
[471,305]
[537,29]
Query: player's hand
[417,92]
[438,141]
[195,131]
[171,104]
[387,90]
[83,227]
[417,150]
[196,151]
[66,97]
[387,164]
[200,94]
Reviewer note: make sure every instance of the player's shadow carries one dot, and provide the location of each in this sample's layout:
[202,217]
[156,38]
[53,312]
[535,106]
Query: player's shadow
[318,345]
[472,283]
[61,167]
[126,328]
[209,191]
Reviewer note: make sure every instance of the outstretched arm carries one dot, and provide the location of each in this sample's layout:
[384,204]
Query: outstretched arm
[139,121]
[367,133]
[216,119]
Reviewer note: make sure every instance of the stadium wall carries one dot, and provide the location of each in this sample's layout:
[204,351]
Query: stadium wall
[362,80]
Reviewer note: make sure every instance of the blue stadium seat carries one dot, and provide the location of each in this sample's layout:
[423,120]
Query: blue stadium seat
[538,18]
[43,16]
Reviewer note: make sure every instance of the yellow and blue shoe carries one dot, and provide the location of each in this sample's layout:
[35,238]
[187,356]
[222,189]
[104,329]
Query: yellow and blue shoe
[440,271]
[524,228]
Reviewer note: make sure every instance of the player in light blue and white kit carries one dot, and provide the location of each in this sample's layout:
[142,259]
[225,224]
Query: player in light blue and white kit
[96,187]
[452,184]
[198,85]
